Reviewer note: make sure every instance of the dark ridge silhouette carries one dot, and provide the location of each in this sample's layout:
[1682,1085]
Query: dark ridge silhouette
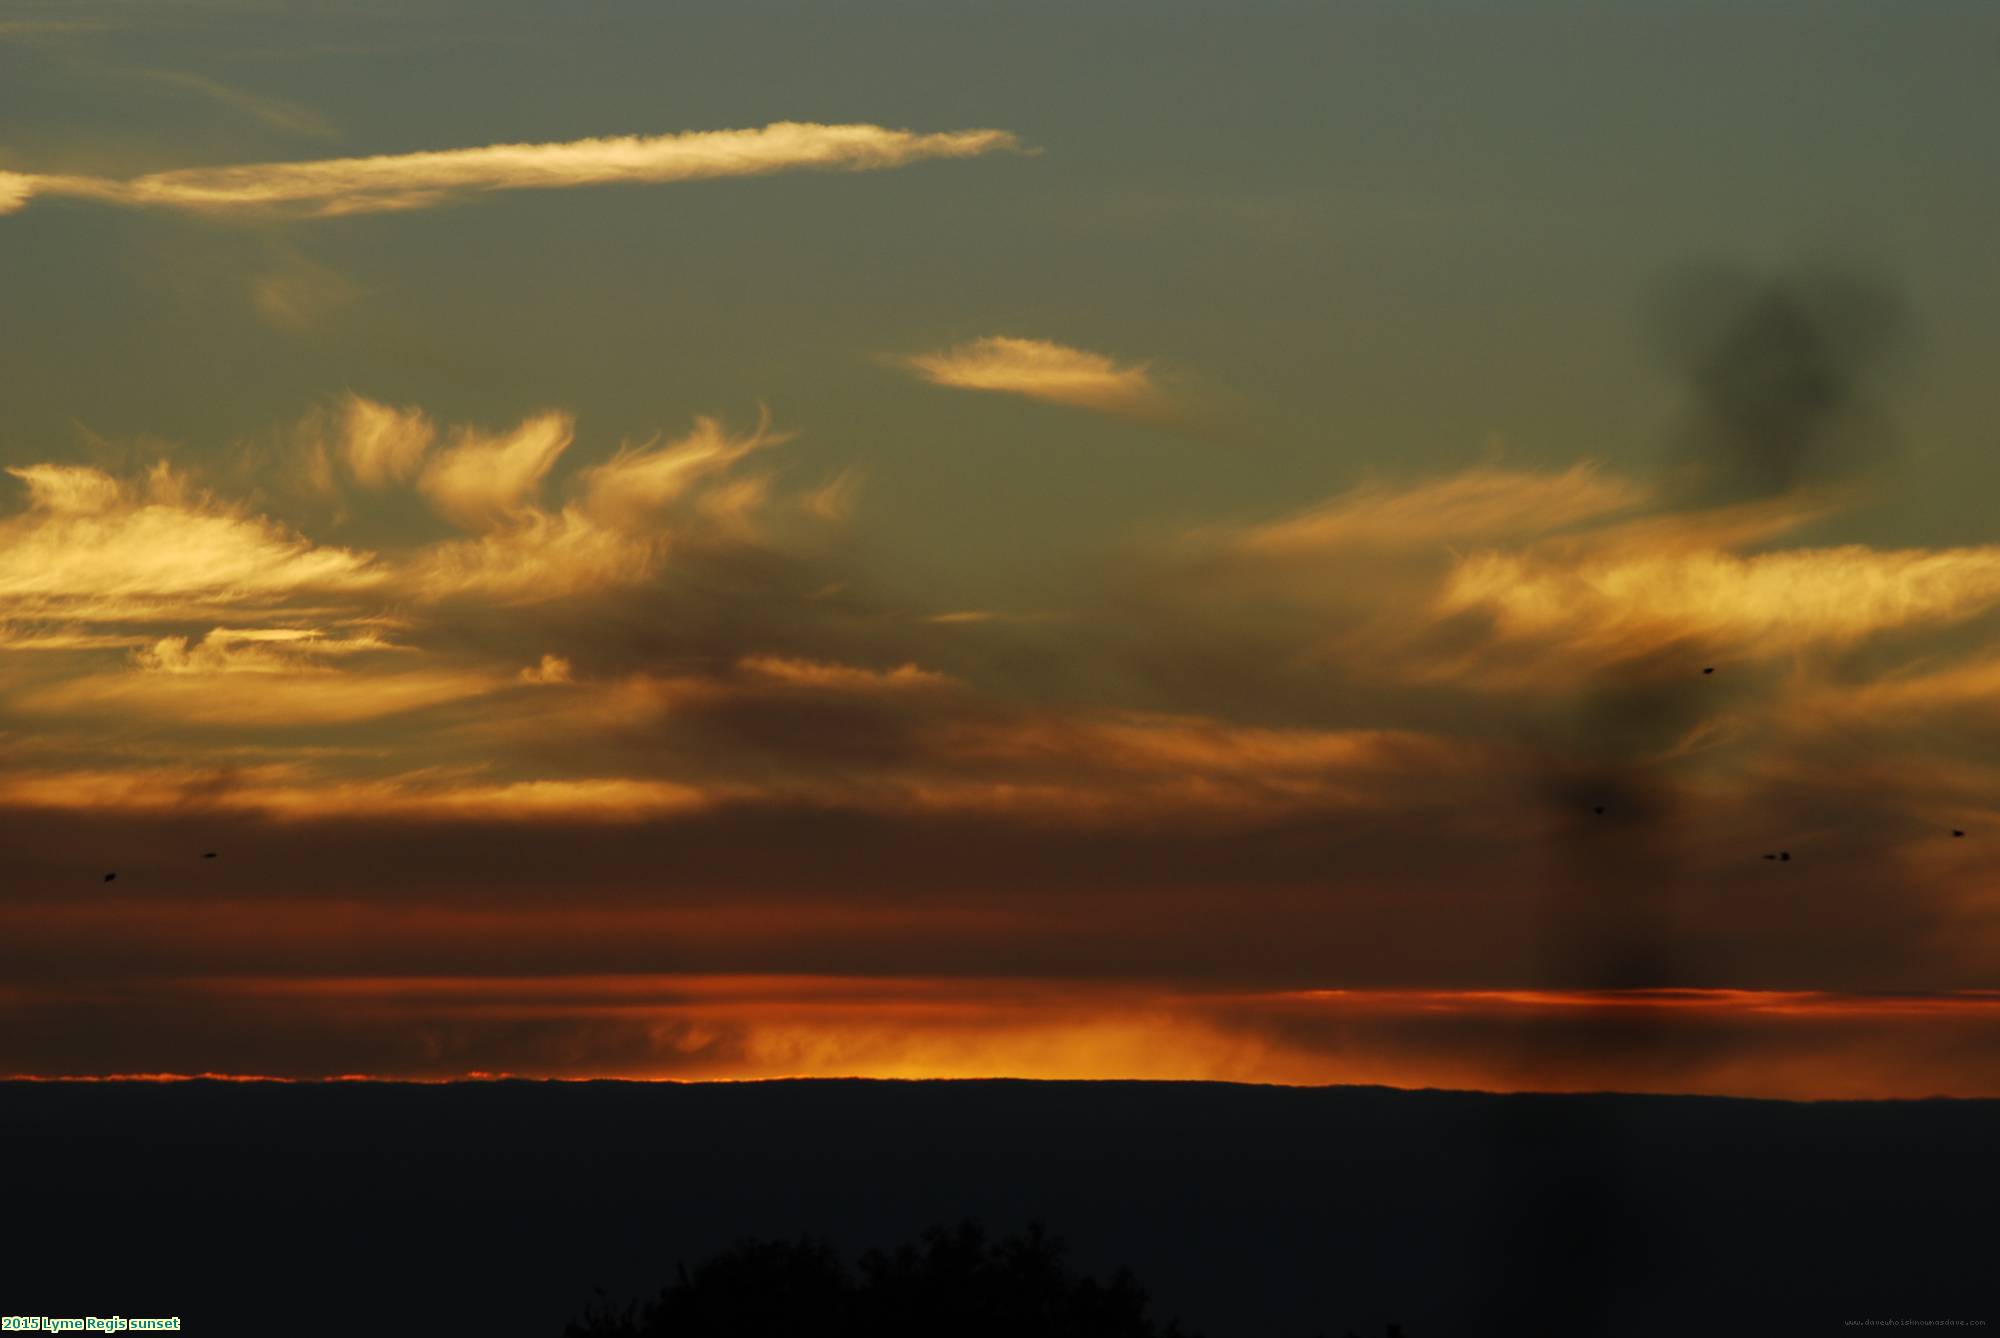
[953,1282]
[1246,1212]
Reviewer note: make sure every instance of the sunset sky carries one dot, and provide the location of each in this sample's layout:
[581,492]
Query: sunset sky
[731,540]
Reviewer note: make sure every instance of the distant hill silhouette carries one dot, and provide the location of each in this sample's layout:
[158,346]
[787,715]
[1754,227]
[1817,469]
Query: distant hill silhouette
[1246,1212]
[955,1282]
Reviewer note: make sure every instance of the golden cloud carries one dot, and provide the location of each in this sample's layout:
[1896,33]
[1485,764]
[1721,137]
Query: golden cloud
[261,650]
[481,482]
[541,556]
[839,677]
[552,669]
[630,490]
[1476,505]
[235,688]
[336,186]
[1626,603]
[92,548]
[283,791]
[39,636]
[381,445]
[627,515]
[1042,370]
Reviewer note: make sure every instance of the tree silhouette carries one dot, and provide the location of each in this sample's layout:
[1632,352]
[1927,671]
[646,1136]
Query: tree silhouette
[953,1282]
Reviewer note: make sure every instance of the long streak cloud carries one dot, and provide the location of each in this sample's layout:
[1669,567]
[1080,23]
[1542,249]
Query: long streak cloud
[329,187]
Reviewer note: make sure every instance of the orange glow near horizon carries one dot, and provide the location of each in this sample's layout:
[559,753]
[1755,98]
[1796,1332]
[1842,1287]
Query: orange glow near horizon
[1797,1045]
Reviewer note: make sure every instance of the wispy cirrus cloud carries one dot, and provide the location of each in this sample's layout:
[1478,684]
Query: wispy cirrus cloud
[277,113]
[91,547]
[256,650]
[332,187]
[379,444]
[284,792]
[1623,604]
[228,617]
[258,677]
[1473,506]
[268,695]
[482,481]
[1040,369]
[623,518]
[14,30]
[295,294]
[814,674]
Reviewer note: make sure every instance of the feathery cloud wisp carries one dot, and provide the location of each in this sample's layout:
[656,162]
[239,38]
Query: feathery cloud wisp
[1042,370]
[90,547]
[1480,504]
[1630,603]
[279,114]
[480,482]
[335,186]
[380,444]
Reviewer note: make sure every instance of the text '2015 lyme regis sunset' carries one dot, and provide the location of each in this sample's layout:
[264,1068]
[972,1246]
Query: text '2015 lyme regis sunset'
[1429,547]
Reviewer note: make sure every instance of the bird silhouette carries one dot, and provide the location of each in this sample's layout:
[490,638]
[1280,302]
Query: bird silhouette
[1770,857]
[1956,832]
[1709,670]
[1784,854]
[109,876]
[211,854]
[1598,809]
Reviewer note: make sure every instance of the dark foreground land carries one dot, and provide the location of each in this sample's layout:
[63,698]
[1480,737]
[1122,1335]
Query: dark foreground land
[1244,1211]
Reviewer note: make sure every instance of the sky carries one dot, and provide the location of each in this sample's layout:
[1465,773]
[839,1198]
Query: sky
[1433,544]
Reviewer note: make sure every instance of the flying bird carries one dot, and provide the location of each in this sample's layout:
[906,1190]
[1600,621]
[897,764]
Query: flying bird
[1598,809]
[211,854]
[1770,857]
[1709,670]
[1784,854]
[1956,832]
[109,876]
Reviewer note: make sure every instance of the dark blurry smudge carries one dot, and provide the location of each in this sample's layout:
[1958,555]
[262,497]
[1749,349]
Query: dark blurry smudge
[1781,374]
